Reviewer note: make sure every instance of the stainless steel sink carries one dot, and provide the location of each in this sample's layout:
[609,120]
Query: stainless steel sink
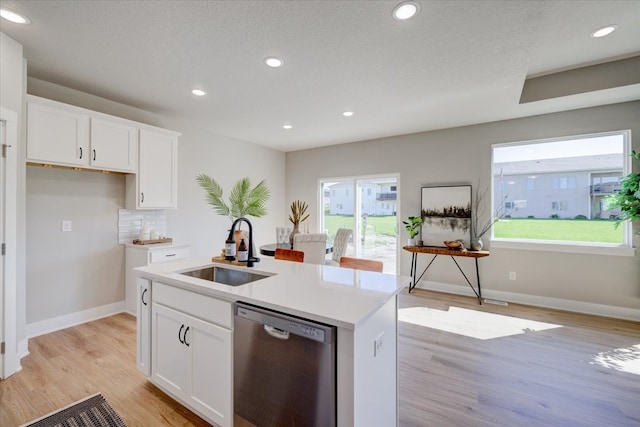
[226,276]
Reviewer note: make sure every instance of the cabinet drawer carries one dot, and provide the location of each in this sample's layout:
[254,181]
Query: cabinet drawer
[168,254]
[197,305]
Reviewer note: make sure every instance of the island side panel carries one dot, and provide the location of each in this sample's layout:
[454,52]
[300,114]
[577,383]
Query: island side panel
[345,377]
[376,369]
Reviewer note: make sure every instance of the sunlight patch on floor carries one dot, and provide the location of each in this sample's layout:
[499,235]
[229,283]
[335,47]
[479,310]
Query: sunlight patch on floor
[471,323]
[621,359]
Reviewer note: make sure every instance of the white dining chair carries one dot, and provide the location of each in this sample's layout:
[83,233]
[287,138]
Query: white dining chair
[340,243]
[314,246]
[282,234]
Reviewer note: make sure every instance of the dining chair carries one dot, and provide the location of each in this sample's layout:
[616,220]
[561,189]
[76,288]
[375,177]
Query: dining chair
[282,234]
[340,243]
[289,255]
[361,264]
[314,246]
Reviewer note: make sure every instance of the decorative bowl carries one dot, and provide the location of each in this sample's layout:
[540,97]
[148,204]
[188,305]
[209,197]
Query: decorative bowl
[453,244]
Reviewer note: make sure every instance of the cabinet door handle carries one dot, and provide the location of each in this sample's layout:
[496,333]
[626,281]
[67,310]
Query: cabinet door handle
[169,255]
[94,154]
[180,332]
[141,197]
[80,152]
[142,296]
[185,336]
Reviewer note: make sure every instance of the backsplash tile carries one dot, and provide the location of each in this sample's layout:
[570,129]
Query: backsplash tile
[131,221]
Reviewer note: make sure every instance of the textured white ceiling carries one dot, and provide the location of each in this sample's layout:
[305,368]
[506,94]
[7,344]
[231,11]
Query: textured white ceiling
[456,63]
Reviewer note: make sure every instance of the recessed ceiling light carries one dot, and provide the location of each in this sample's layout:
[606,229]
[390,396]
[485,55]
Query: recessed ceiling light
[273,62]
[287,127]
[198,92]
[14,17]
[406,10]
[604,31]
[348,113]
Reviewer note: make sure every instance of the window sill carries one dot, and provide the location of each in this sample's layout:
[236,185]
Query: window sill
[566,247]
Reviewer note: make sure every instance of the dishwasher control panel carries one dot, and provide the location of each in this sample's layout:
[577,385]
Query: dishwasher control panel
[286,324]
[305,330]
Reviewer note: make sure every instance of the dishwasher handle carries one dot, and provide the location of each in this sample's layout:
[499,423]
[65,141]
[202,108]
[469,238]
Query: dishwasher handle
[276,333]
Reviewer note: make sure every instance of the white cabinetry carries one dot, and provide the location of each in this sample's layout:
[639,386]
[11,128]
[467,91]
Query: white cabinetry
[61,134]
[156,184]
[113,145]
[190,354]
[141,256]
[57,133]
[143,323]
[65,135]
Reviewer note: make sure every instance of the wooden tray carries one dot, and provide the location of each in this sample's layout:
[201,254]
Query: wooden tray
[221,259]
[152,242]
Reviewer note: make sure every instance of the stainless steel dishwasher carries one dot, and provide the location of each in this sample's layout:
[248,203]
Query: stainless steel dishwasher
[284,369]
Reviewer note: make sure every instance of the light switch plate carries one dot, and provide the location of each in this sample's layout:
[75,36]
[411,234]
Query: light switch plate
[66,225]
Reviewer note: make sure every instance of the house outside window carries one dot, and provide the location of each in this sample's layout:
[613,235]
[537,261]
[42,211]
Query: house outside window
[555,190]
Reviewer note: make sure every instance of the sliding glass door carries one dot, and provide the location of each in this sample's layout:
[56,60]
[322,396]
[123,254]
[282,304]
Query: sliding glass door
[368,206]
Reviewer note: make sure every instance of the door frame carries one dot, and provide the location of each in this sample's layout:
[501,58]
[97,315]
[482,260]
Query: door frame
[9,361]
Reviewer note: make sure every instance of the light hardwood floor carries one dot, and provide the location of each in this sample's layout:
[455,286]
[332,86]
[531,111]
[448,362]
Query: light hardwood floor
[545,378]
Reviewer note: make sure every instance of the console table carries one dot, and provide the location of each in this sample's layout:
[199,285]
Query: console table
[435,251]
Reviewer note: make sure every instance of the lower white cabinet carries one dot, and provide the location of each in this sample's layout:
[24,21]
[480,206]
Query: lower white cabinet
[143,323]
[191,357]
[141,256]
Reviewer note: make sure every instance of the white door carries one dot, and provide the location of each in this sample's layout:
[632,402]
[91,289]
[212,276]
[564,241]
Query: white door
[9,361]
[143,320]
[2,215]
[169,354]
[113,145]
[209,377]
[369,206]
[58,135]
[157,172]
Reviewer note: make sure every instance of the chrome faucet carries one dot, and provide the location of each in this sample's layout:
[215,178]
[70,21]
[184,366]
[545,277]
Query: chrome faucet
[251,259]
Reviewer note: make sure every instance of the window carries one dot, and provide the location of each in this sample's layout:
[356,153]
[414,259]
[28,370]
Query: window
[531,183]
[564,182]
[555,190]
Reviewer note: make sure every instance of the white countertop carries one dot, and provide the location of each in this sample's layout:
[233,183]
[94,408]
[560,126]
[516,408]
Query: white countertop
[338,296]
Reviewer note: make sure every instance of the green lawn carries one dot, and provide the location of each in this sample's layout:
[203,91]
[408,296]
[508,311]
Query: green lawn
[380,224]
[559,229]
[535,229]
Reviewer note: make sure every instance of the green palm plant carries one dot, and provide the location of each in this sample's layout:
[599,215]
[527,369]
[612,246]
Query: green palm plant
[628,198]
[243,200]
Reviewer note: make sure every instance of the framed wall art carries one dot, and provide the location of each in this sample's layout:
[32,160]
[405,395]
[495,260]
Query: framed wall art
[446,212]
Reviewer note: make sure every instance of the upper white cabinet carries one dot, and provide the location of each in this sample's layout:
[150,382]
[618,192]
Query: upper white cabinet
[156,184]
[57,134]
[113,145]
[65,135]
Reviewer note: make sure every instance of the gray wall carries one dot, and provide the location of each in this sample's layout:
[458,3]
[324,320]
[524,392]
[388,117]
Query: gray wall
[463,156]
[84,269]
[78,270]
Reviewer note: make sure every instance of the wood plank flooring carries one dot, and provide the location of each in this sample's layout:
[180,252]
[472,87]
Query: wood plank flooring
[545,378]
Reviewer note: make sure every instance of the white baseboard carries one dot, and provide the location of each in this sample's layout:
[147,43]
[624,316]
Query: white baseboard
[68,320]
[23,349]
[538,301]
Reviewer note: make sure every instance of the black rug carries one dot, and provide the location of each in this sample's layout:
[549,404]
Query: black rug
[94,411]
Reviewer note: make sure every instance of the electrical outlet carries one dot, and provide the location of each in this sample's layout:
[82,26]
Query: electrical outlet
[377,345]
[512,275]
[66,225]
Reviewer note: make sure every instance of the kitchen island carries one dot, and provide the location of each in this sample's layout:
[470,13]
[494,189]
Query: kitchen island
[185,332]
